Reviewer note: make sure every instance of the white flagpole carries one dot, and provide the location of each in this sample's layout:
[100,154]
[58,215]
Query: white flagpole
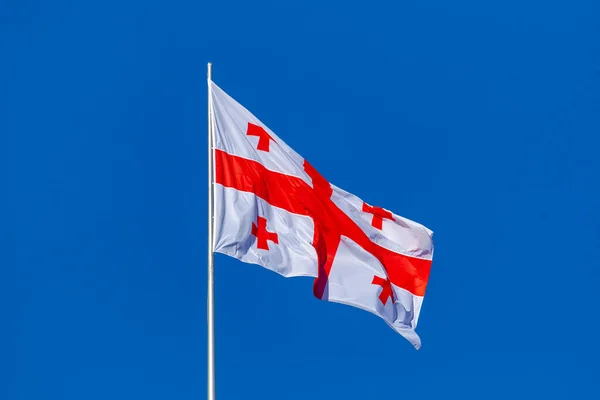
[210,313]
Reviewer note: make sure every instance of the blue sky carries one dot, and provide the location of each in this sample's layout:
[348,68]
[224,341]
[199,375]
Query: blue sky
[477,119]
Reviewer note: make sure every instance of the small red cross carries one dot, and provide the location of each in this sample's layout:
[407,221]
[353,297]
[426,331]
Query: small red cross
[263,235]
[264,139]
[386,289]
[378,215]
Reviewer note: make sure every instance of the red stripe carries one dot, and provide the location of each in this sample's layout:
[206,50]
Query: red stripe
[296,196]
[250,176]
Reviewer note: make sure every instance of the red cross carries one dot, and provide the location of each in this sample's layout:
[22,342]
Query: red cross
[378,215]
[264,139]
[331,223]
[386,289]
[263,235]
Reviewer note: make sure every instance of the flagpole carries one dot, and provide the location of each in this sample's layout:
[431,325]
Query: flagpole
[210,313]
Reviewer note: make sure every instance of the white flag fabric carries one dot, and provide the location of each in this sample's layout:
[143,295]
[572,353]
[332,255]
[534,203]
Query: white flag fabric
[272,208]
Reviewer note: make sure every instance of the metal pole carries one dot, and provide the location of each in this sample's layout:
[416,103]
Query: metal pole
[210,313]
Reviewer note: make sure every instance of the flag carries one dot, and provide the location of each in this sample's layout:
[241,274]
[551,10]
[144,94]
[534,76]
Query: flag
[272,208]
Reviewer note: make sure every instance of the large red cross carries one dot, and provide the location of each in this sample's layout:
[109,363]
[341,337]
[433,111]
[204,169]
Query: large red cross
[330,222]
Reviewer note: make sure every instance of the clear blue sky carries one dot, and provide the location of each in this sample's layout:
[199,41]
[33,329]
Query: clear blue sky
[478,119]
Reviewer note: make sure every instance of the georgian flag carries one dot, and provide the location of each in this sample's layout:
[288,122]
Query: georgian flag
[274,209]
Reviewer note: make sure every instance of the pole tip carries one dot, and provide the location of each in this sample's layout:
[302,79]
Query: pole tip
[209,70]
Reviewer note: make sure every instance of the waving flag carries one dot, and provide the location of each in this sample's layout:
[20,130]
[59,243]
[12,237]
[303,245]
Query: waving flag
[274,209]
